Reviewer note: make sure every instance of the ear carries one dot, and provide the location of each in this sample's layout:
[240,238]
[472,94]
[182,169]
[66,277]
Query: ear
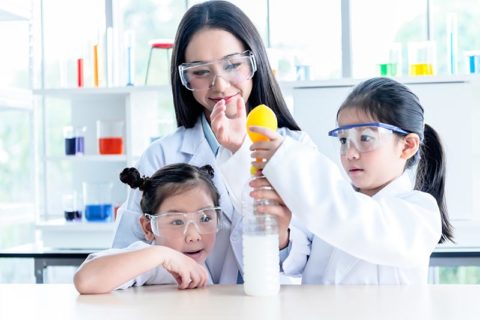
[410,146]
[147,229]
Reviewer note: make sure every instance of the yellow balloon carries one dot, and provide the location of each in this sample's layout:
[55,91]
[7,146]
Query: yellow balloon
[261,116]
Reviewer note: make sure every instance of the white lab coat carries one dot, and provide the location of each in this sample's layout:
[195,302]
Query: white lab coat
[190,146]
[340,236]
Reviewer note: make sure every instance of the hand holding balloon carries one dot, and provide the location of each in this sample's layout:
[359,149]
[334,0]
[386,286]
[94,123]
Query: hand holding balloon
[261,126]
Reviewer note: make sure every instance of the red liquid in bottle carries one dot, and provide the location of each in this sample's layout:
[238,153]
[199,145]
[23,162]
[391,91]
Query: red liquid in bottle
[110,145]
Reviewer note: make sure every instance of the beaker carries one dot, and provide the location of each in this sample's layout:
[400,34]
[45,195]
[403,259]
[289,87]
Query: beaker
[473,61]
[391,63]
[97,198]
[74,140]
[71,207]
[110,137]
[421,58]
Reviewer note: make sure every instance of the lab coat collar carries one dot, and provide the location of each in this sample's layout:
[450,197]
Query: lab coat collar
[209,135]
[193,139]
[399,185]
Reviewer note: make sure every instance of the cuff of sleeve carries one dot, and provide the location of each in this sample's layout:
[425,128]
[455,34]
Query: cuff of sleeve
[284,254]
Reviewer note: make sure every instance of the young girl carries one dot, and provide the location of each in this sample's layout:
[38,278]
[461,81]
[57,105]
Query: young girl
[219,71]
[180,206]
[377,228]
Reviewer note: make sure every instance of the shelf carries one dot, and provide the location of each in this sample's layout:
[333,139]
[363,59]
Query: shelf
[120,91]
[11,10]
[60,224]
[76,235]
[352,82]
[16,99]
[93,158]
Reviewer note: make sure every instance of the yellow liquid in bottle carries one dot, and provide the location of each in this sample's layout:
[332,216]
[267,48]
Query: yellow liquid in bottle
[421,69]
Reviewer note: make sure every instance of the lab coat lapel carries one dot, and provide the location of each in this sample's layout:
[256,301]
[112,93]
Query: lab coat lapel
[195,144]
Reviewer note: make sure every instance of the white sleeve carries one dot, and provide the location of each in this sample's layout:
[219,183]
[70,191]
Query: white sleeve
[301,246]
[157,275]
[395,231]
[235,168]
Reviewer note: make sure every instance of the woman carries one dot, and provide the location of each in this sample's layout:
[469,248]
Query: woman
[219,71]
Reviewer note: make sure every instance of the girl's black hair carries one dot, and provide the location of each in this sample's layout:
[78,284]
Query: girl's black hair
[225,16]
[391,102]
[168,181]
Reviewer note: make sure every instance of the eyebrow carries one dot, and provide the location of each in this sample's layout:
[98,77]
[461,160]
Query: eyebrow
[203,61]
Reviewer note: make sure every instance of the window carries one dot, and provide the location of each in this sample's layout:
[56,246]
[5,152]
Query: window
[376,24]
[306,39]
[467,14]
[15,54]
[68,36]
[149,20]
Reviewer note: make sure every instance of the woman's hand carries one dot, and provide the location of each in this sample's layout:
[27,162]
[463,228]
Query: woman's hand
[262,151]
[230,131]
[187,272]
[262,189]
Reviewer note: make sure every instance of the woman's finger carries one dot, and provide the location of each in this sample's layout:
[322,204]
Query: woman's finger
[241,109]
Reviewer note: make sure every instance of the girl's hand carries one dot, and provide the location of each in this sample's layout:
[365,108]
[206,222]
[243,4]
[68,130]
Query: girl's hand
[262,151]
[264,190]
[187,272]
[230,131]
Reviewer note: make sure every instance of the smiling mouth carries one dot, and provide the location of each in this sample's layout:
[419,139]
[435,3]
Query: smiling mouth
[227,99]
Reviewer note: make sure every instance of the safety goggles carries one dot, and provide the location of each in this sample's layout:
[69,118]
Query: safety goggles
[234,69]
[364,137]
[175,224]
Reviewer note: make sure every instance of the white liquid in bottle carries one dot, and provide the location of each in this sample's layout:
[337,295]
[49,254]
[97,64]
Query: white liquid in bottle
[260,256]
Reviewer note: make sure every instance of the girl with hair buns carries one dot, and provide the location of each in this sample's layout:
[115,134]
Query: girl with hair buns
[180,219]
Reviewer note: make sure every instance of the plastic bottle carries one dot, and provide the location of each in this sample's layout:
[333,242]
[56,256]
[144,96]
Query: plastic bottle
[260,247]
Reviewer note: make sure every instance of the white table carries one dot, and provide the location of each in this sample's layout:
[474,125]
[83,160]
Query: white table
[50,302]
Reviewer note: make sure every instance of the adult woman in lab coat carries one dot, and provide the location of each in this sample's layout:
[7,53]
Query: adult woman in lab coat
[219,70]
[377,228]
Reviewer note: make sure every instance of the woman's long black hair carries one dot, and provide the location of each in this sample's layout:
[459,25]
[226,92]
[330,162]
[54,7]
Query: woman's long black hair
[225,16]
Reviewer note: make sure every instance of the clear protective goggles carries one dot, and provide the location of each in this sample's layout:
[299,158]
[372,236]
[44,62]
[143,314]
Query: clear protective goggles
[364,137]
[234,69]
[176,224]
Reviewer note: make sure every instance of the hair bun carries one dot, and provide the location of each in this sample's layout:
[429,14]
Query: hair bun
[208,170]
[132,177]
